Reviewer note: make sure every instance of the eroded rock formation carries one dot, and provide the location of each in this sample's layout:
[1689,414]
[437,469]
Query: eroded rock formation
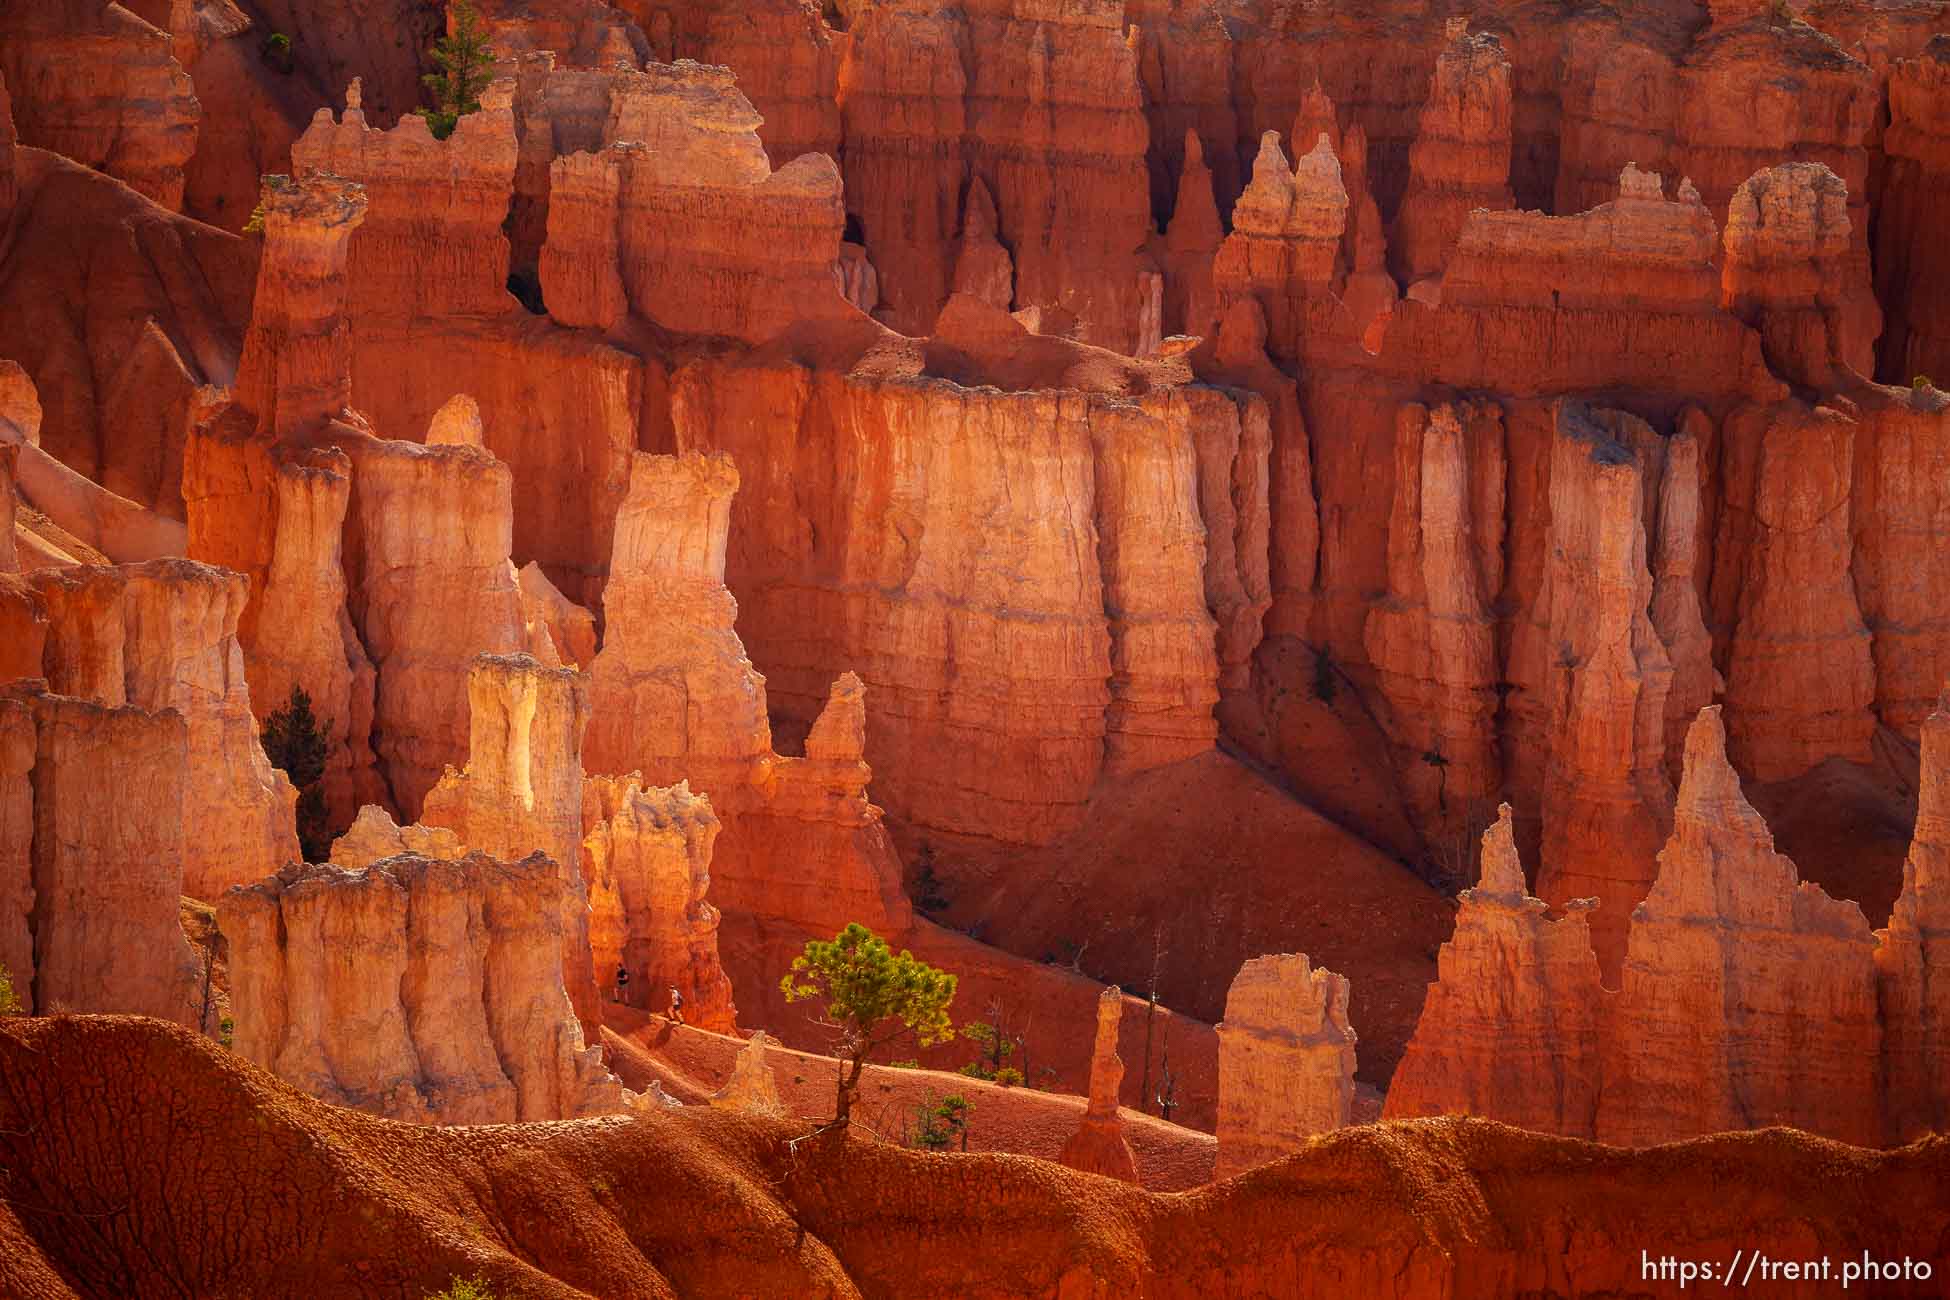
[752,1087]
[1749,998]
[97,83]
[1913,958]
[521,792]
[163,635]
[1098,1146]
[1286,1060]
[1461,157]
[1433,640]
[1595,674]
[646,861]
[89,886]
[422,990]
[431,244]
[434,589]
[1911,265]
[1511,1029]
[1799,669]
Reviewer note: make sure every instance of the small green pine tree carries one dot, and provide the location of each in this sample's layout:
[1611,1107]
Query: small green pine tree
[466,67]
[294,740]
[939,1123]
[872,998]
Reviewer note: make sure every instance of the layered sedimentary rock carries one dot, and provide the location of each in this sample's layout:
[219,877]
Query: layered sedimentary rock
[1433,639]
[1900,569]
[582,33]
[983,268]
[9,462]
[646,861]
[1639,249]
[1461,157]
[98,84]
[1913,958]
[72,516]
[1192,241]
[1677,615]
[674,697]
[1740,95]
[422,990]
[1286,1060]
[432,243]
[90,885]
[1800,674]
[9,183]
[1287,228]
[260,502]
[521,791]
[19,746]
[1151,544]
[1043,104]
[374,836]
[163,635]
[1074,631]
[1237,357]
[1912,265]
[308,640]
[69,517]
[1749,998]
[434,588]
[752,1087]
[1791,272]
[1512,1026]
[1594,674]
[570,629]
[672,688]
[1098,1146]
[784,52]
[125,315]
[680,219]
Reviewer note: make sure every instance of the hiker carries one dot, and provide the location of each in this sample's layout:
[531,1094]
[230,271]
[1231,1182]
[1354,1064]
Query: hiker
[676,1005]
[622,984]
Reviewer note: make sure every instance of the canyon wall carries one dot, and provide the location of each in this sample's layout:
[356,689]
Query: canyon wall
[90,885]
[163,636]
[421,990]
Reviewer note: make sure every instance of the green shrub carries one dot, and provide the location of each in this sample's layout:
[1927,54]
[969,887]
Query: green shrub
[1009,1077]
[276,51]
[940,1123]
[9,1000]
[463,1289]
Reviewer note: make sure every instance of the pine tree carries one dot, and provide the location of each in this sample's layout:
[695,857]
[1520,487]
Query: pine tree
[872,998]
[294,741]
[466,67]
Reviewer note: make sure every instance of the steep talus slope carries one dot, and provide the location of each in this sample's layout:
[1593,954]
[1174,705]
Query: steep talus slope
[178,1170]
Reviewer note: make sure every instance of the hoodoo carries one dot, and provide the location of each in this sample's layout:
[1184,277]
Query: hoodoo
[974,568]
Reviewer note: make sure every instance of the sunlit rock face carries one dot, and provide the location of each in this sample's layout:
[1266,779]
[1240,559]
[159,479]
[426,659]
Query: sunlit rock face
[423,990]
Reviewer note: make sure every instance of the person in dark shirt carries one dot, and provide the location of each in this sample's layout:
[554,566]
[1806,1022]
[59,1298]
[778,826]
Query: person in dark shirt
[622,984]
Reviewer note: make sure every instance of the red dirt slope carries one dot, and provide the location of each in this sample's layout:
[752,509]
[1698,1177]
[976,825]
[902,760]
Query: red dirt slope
[141,1161]
[691,1064]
